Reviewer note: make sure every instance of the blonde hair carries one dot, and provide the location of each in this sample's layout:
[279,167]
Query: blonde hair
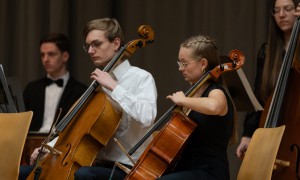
[203,47]
[110,26]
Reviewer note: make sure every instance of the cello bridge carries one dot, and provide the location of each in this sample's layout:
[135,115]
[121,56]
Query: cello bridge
[52,150]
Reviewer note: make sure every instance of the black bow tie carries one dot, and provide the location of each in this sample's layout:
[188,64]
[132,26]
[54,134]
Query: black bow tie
[59,82]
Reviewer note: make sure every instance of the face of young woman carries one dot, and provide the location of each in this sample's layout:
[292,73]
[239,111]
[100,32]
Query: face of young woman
[190,68]
[283,15]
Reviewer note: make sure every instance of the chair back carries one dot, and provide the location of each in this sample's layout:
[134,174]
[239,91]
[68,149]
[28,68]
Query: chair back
[261,154]
[13,131]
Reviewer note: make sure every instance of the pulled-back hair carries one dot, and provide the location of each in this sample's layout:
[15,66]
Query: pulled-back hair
[203,47]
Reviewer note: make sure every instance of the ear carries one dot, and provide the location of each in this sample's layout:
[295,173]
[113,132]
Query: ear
[66,56]
[117,43]
[204,63]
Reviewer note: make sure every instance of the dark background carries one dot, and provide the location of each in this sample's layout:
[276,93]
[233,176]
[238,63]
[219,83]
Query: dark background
[234,24]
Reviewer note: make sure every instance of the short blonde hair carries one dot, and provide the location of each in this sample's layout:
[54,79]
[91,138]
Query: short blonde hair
[109,25]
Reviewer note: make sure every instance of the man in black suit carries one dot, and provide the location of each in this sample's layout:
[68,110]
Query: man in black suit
[57,90]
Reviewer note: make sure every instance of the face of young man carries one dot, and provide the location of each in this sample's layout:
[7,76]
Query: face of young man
[100,48]
[53,60]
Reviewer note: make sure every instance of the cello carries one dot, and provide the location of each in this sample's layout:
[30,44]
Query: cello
[282,108]
[88,126]
[164,150]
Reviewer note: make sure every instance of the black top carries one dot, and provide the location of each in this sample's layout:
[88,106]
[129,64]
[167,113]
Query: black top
[207,146]
[34,99]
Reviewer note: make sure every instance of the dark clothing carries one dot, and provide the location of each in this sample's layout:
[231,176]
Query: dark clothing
[251,121]
[205,156]
[25,171]
[34,99]
[100,172]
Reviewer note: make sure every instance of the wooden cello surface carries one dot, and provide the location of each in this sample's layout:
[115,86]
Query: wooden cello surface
[161,154]
[289,149]
[80,142]
[164,150]
[88,126]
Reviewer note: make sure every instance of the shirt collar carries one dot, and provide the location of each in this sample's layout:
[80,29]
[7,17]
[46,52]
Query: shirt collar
[121,69]
[65,77]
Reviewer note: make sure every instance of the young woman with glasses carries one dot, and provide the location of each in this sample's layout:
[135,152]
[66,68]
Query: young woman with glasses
[282,17]
[205,156]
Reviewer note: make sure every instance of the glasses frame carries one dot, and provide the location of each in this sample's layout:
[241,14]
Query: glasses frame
[286,9]
[95,45]
[184,65]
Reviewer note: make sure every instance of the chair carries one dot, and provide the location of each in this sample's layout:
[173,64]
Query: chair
[13,129]
[261,154]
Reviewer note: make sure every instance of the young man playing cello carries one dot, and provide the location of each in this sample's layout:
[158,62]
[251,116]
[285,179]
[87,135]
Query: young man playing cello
[133,91]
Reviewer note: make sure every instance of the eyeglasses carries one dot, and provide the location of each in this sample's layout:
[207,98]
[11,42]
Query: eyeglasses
[285,9]
[95,45]
[183,65]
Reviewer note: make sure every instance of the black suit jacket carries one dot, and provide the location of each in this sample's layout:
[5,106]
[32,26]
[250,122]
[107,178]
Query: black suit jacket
[34,99]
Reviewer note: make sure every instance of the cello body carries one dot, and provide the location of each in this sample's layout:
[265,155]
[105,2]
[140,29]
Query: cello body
[81,141]
[161,155]
[289,149]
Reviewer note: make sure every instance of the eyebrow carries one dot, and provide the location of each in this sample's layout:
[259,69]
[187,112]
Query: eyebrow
[96,40]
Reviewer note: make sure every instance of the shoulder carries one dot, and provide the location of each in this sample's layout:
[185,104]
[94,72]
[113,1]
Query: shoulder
[36,83]
[215,85]
[262,51]
[215,88]
[73,82]
[261,56]
[139,72]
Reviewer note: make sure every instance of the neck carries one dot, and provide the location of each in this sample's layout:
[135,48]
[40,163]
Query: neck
[58,74]
[201,90]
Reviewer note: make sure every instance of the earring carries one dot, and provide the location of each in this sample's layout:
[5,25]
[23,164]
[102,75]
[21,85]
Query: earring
[203,71]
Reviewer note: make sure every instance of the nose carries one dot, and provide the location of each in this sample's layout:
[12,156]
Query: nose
[180,68]
[282,13]
[45,58]
[91,50]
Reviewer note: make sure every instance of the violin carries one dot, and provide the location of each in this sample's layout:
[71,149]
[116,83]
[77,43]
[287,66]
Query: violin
[88,126]
[162,153]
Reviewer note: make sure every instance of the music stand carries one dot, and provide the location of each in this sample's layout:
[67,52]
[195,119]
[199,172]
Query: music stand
[6,102]
[16,93]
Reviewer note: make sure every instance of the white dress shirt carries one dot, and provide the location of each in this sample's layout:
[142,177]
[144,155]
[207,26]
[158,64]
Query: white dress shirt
[136,94]
[52,98]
